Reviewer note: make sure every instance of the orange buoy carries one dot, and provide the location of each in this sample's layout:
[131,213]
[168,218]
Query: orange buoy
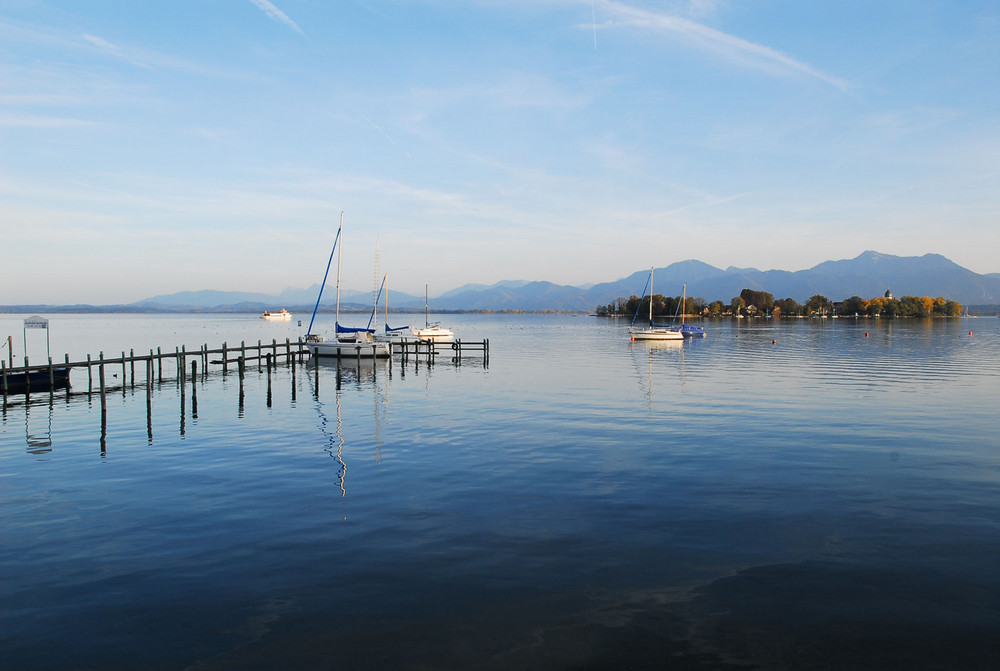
[773,342]
[866,334]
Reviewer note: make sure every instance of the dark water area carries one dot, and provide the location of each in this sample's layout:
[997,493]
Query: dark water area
[793,494]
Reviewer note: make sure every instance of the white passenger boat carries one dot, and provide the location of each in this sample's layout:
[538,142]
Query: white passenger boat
[281,315]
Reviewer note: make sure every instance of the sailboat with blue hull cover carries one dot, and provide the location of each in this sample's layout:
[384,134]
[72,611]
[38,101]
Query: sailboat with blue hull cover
[349,341]
[686,330]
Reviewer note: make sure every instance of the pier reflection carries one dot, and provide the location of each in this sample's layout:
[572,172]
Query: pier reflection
[38,427]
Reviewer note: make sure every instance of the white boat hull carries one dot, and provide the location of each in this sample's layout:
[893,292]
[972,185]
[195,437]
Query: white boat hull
[364,349]
[434,334]
[656,334]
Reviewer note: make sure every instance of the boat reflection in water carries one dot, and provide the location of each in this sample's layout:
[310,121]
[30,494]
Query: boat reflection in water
[366,373]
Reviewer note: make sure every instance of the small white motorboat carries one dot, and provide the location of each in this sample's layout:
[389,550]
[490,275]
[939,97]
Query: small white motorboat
[281,315]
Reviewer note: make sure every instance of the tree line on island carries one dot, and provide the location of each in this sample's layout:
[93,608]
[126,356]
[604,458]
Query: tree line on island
[751,303]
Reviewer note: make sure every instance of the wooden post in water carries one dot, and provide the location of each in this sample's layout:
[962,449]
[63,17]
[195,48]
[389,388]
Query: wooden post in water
[131,362]
[241,366]
[104,395]
[292,363]
[52,378]
[194,388]
[181,375]
[225,359]
[27,380]
[159,365]
[269,361]
[258,355]
[149,398]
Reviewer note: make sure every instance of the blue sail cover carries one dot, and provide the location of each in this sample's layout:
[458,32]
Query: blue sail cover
[351,329]
[393,330]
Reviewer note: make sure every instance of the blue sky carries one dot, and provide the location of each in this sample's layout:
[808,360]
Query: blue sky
[154,147]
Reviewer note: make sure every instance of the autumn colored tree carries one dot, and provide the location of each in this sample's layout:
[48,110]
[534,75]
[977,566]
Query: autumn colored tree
[818,303]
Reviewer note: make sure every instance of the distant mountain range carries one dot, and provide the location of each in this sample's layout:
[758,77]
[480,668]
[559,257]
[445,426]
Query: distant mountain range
[868,275]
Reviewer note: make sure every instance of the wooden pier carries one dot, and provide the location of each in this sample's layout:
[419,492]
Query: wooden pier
[53,376]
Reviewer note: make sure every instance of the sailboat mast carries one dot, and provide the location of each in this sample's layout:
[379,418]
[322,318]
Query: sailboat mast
[650,298]
[340,252]
[427,321]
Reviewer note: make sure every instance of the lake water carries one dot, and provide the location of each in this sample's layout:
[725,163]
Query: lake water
[794,494]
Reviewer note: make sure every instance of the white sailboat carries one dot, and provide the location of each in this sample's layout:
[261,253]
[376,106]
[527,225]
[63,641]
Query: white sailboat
[653,332]
[348,341]
[433,332]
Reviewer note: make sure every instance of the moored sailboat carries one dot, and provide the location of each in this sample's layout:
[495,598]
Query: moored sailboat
[348,341]
[654,331]
[433,331]
[686,330]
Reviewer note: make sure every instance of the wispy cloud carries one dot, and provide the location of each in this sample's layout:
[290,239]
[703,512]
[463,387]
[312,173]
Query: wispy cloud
[276,14]
[36,121]
[379,129]
[729,47]
[112,49]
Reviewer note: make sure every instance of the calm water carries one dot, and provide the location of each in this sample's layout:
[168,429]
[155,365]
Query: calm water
[778,495]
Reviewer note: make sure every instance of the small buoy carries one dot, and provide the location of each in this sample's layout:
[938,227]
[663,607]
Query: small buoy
[774,342]
[970,332]
[866,334]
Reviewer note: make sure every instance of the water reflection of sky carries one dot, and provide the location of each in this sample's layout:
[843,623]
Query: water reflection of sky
[578,498]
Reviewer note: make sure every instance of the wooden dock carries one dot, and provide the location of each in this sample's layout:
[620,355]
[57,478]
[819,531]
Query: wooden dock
[52,376]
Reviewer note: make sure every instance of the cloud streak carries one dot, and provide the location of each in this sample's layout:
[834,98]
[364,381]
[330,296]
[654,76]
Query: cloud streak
[277,15]
[728,47]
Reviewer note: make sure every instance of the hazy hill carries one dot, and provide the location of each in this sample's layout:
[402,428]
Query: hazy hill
[868,275]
